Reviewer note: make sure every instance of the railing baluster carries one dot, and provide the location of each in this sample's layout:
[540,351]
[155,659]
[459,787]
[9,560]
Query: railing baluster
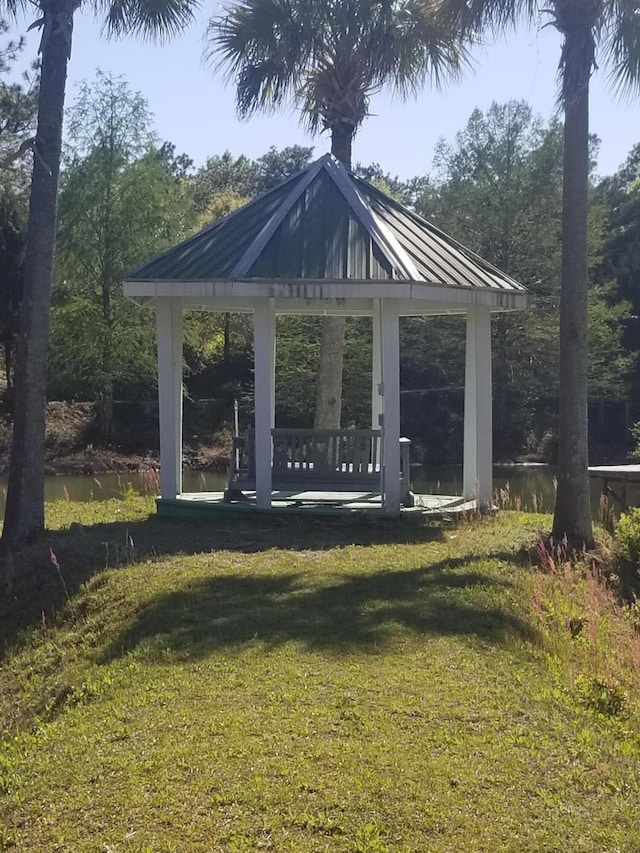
[327,457]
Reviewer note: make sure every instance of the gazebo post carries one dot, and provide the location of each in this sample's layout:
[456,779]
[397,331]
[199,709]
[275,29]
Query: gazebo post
[376,372]
[391,401]
[478,438]
[169,326]
[264,337]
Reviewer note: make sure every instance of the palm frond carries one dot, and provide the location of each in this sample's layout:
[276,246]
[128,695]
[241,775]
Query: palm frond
[13,7]
[333,95]
[470,18]
[153,19]
[577,63]
[329,57]
[621,45]
[431,42]
[261,45]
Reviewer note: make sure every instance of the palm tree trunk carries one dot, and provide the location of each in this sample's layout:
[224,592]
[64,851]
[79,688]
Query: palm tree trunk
[341,142]
[8,365]
[24,516]
[572,517]
[329,389]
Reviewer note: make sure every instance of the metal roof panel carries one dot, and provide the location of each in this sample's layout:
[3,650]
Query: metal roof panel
[325,223]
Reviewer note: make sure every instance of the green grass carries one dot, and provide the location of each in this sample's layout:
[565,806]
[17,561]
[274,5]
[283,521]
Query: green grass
[311,686]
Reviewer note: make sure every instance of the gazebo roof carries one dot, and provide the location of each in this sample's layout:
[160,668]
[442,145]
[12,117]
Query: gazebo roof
[325,224]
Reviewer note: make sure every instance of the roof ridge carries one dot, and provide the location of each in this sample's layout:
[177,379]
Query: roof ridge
[450,241]
[376,229]
[252,252]
[218,223]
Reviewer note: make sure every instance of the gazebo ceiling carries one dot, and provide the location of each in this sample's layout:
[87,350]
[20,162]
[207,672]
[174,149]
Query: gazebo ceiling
[321,233]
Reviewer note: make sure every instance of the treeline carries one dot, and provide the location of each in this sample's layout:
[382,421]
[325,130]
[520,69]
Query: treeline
[497,187]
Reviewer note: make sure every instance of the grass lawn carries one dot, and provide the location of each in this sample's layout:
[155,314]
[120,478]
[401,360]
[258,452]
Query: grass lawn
[313,686]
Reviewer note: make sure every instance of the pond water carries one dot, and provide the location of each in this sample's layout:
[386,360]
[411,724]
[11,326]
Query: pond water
[530,487]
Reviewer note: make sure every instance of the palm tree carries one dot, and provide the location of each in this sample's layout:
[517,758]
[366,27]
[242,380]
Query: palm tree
[327,58]
[24,517]
[591,29]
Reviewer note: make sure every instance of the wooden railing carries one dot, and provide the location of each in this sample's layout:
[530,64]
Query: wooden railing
[321,460]
[332,457]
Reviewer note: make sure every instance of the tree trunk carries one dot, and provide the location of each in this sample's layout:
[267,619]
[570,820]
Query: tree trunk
[106,418]
[226,350]
[341,142]
[329,393]
[8,365]
[329,389]
[24,516]
[572,517]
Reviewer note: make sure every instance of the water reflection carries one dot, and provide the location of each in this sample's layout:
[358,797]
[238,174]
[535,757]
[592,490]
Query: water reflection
[82,487]
[529,487]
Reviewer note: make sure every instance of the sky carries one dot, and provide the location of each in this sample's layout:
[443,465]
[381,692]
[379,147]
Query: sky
[194,107]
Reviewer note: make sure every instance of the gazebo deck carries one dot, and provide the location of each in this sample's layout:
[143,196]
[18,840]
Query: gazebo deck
[207,504]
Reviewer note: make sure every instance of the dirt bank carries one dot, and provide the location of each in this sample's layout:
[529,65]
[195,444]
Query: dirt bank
[72,447]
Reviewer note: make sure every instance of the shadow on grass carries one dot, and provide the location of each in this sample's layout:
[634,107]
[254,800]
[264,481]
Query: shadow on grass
[359,611]
[38,590]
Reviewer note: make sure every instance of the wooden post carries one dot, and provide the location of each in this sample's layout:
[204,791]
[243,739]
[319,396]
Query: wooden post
[170,334]
[478,439]
[405,467]
[264,337]
[391,403]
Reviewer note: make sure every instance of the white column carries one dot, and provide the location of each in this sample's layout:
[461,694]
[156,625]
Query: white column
[264,345]
[376,373]
[376,367]
[391,404]
[478,430]
[170,335]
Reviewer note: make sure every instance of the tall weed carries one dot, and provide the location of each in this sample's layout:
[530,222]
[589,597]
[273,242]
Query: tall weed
[576,599]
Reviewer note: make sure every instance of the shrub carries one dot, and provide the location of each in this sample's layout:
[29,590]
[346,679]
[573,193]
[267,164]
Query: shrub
[635,433]
[628,536]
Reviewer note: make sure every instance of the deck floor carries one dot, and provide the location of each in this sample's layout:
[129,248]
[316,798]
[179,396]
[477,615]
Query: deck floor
[203,504]
[631,473]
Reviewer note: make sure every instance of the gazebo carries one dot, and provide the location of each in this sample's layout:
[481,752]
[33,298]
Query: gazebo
[325,242]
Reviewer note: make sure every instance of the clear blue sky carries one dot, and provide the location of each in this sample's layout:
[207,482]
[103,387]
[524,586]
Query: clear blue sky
[194,109]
